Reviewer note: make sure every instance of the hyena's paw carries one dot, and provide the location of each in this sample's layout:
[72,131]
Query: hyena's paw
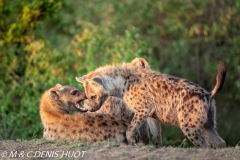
[220,144]
[130,138]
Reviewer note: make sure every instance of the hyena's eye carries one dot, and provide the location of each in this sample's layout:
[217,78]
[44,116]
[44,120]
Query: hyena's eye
[74,92]
[93,97]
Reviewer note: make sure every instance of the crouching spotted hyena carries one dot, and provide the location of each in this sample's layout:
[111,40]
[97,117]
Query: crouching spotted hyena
[149,130]
[169,99]
[56,105]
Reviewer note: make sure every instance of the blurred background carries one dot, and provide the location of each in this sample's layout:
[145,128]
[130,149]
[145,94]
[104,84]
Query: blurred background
[44,42]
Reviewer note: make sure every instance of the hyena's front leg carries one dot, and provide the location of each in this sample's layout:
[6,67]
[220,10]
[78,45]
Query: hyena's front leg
[141,114]
[138,99]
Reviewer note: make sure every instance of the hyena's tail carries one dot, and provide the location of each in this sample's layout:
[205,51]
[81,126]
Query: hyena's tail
[219,78]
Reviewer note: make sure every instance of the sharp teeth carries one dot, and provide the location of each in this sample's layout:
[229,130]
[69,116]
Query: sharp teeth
[82,108]
[77,105]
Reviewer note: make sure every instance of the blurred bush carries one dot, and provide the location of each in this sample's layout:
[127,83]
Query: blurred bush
[52,41]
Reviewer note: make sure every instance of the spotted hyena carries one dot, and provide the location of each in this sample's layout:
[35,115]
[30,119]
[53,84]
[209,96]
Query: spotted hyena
[116,107]
[169,99]
[59,125]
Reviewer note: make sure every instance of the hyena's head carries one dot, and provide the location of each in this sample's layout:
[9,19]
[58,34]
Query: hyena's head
[69,98]
[99,86]
[95,91]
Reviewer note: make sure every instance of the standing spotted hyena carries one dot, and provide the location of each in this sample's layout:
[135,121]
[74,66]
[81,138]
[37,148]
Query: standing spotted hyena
[170,99]
[59,125]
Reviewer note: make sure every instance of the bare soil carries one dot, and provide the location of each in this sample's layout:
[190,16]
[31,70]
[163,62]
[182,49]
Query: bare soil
[42,149]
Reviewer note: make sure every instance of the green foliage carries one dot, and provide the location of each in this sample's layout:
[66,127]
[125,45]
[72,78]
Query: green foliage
[23,71]
[96,46]
[52,41]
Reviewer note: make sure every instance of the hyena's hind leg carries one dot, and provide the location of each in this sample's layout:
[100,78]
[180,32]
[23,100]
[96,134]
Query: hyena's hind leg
[191,124]
[212,136]
[144,134]
[195,135]
[208,129]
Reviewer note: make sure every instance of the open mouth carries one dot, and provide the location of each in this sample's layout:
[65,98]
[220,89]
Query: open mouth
[80,107]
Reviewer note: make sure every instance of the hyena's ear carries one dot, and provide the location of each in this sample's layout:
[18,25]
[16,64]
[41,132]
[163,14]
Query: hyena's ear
[58,85]
[81,79]
[140,62]
[54,95]
[98,84]
[98,80]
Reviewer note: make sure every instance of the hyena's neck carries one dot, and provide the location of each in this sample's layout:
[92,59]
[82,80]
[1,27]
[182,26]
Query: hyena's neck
[114,85]
[119,80]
